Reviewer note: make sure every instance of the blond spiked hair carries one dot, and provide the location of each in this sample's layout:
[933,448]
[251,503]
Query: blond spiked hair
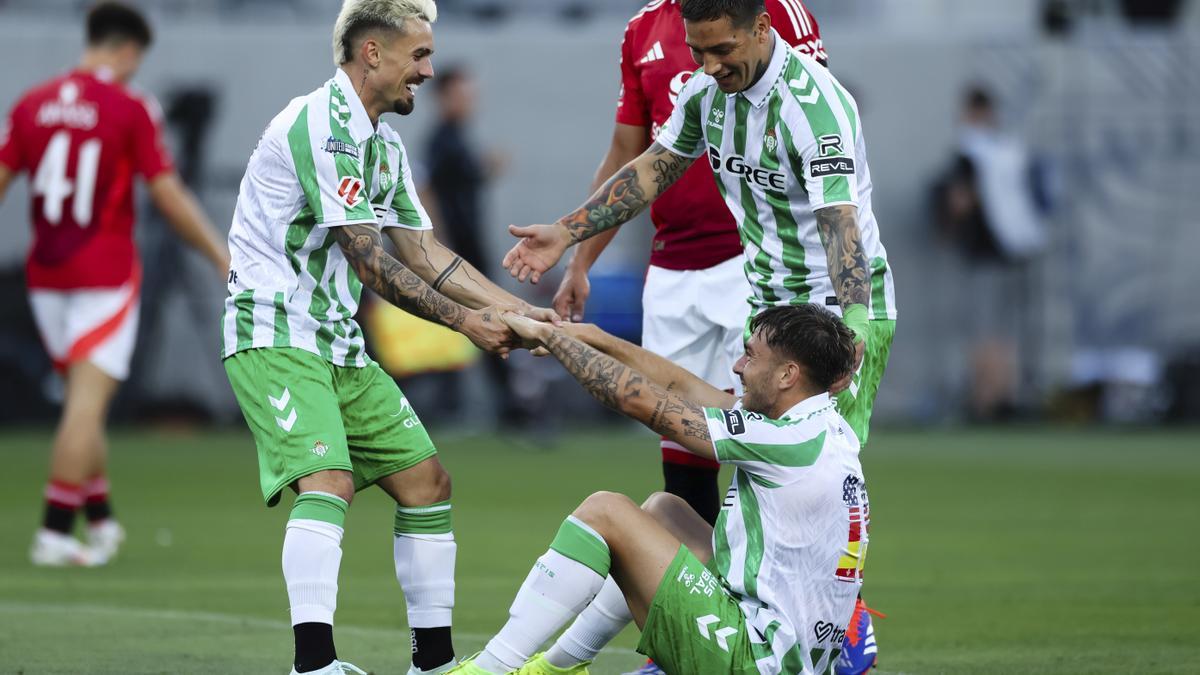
[359,16]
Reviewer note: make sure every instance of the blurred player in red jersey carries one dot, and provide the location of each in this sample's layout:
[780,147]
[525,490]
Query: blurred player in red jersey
[694,306]
[82,137]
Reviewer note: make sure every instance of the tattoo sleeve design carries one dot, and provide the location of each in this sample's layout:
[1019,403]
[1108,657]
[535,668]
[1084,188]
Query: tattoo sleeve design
[624,196]
[363,248]
[624,389]
[838,227]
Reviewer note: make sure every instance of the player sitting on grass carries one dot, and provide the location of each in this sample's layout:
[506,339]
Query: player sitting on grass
[771,588]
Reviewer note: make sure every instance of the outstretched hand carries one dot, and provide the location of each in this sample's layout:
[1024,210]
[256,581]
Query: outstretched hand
[532,333]
[539,249]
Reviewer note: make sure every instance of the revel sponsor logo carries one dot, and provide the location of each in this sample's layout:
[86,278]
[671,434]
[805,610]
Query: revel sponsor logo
[336,146]
[734,422]
[832,166]
[735,164]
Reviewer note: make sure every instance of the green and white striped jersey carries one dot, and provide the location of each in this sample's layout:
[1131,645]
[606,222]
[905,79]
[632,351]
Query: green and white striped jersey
[320,164]
[791,539]
[780,150]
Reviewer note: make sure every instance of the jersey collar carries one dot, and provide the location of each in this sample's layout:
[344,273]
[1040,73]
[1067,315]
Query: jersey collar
[808,407]
[758,94]
[360,123]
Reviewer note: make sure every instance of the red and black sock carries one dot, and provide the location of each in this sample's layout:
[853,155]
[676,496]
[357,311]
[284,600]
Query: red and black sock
[62,501]
[96,505]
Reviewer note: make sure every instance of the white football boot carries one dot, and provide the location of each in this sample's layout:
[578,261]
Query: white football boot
[55,549]
[335,668]
[104,538]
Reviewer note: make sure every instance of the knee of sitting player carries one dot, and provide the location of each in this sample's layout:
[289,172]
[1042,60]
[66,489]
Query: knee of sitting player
[661,504]
[603,509]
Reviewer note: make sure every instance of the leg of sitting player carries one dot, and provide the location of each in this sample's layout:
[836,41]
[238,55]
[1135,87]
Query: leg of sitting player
[425,551]
[608,532]
[608,613]
[312,557]
[79,445]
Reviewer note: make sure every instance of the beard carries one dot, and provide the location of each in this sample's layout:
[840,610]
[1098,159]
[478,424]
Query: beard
[403,107]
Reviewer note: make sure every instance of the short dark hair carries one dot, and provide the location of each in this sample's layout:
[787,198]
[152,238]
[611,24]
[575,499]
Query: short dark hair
[978,97]
[116,22]
[740,12]
[813,336]
[448,76]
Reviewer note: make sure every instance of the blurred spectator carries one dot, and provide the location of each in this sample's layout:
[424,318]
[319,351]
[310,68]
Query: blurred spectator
[457,173]
[988,206]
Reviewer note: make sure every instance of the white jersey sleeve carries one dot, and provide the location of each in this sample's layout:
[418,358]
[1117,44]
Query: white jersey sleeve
[329,167]
[823,129]
[774,452]
[683,134]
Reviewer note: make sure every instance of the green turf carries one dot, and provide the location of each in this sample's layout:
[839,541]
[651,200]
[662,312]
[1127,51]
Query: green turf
[992,552]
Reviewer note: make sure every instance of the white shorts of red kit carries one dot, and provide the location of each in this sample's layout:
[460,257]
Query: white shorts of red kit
[97,325]
[696,319]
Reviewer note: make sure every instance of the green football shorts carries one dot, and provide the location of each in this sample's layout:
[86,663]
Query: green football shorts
[308,415]
[694,625]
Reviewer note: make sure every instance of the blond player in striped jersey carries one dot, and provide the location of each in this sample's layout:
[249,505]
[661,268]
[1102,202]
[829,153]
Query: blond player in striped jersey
[771,588]
[785,144]
[325,183]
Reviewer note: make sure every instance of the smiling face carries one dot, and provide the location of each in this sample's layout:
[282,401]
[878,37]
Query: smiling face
[759,370]
[399,62]
[736,56]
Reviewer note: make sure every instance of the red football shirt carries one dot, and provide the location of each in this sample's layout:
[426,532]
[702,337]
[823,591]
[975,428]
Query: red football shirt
[81,139]
[693,228]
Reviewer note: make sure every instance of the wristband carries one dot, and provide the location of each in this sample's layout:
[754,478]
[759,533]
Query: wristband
[855,318]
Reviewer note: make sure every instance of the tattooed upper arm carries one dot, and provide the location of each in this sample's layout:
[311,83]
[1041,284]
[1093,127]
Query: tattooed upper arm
[667,167]
[848,270]
[627,193]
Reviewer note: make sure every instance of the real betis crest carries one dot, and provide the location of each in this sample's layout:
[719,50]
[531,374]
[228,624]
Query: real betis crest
[770,141]
[386,179]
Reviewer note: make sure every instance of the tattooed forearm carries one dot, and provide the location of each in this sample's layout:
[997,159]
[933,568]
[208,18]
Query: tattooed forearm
[848,271]
[624,389]
[394,282]
[627,193]
[447,273]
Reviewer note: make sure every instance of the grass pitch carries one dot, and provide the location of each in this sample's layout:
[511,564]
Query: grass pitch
[1031,551]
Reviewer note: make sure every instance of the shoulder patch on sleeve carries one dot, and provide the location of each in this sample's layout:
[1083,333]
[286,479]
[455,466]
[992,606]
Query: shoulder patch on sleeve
[735,423]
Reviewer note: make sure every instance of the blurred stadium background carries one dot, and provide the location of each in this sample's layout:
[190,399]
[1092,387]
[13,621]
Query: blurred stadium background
[1048,534]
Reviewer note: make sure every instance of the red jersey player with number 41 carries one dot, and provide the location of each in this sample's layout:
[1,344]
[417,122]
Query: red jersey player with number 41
[81,138]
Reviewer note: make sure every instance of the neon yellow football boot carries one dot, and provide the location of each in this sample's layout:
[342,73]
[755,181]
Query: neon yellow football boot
[538,665]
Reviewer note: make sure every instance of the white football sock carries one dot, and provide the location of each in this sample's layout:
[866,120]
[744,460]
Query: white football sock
[312,555]
[425,570]
[556,589]
[596,626]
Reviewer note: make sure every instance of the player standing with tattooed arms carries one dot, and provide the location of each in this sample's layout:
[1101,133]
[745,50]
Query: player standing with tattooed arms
[324,184]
